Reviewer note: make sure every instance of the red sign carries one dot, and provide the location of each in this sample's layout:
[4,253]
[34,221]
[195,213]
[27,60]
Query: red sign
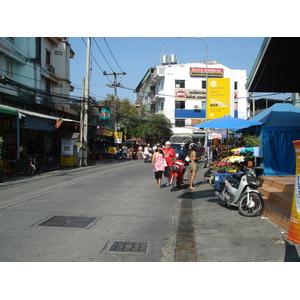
[180,94]
[211,72]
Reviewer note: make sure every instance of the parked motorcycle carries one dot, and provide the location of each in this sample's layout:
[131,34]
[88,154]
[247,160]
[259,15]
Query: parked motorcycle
[176,174]
[147,157]
[241,191]
[29,168]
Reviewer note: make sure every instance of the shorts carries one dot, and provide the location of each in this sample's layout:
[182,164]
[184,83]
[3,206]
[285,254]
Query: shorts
[158,174]
[167,171]
[193,166]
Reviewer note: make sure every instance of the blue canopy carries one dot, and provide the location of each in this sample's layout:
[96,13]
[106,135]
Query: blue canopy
[281,126]
[227,122]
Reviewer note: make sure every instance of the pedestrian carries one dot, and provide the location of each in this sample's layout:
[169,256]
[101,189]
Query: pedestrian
[124,152]
[140,152]
[159,165]
[119,150]
[170,156]
[193,164]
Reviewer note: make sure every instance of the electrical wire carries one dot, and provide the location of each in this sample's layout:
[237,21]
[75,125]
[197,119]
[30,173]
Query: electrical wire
[102,55]
[112,55]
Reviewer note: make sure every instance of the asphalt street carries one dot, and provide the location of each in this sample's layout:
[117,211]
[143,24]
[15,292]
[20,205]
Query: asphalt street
[113,212]
[121,204]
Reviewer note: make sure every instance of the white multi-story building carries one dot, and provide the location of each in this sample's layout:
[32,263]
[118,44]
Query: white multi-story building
[179,92]
[36,70]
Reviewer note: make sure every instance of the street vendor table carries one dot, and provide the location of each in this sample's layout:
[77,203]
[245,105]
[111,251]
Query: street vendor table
[220,177]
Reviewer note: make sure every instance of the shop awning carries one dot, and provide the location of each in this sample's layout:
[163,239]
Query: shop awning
[8,110]
[276,68]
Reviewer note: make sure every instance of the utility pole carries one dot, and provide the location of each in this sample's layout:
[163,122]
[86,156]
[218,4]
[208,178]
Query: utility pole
[115,84]
[84,107]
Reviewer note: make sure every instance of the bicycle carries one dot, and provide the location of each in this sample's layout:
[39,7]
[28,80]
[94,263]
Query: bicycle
[30,167]
[51,164]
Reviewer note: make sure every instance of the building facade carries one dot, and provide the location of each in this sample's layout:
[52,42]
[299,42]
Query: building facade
[179,92]
[34,93]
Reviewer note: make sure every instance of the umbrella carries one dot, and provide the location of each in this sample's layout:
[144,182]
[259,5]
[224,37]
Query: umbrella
[227,122]
[135,140]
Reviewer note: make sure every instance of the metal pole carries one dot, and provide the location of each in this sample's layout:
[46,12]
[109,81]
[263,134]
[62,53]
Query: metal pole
[207,149]
[84,122]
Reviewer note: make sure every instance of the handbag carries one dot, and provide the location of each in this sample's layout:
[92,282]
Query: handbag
[187,159]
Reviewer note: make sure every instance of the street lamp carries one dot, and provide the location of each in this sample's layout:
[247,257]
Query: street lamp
[207,150]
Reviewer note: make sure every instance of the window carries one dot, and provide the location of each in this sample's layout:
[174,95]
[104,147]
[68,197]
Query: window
[180,84]
[162,106]
[179,122]
[203,84]
[48,87]
[235,85]
[9,68]
[48,55]
[203,104]
[179,104]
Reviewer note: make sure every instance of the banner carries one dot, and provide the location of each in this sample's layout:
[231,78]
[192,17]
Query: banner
[58,123]
[111,150]
[294,229]
[105,131]
[118,137]
[218,98]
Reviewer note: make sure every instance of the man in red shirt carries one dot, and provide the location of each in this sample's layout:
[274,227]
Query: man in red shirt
[170,156]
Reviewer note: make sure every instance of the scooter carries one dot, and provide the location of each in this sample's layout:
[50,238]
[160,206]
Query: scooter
[30,167]
[147,157]
[241,191]
[176,174]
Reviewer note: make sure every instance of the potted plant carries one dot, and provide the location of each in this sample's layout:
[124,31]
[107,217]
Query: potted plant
[253,141]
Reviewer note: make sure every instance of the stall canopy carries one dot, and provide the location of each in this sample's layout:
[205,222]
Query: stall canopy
[281,126]
[227,122]
[8,110]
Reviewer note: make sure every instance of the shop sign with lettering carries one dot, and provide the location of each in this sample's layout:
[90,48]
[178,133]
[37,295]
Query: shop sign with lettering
[211,72]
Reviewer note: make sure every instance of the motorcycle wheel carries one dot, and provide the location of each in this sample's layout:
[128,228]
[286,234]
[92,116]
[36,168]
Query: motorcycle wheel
[254,208]
[173,183]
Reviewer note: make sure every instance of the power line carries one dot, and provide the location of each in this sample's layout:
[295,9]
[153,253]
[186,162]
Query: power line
[102,55]
[113,55]
[93,57]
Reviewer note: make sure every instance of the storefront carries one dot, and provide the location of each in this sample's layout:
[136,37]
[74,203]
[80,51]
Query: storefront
[8,131]
[31,134]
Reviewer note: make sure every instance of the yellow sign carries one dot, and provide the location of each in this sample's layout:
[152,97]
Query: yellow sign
[118,135]
[111,150]
[294,229]
[218,98]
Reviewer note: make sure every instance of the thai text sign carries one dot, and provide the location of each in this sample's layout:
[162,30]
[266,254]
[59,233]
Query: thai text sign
[294,229]
[188,94]
[211,72]
[104,131]
[218,98]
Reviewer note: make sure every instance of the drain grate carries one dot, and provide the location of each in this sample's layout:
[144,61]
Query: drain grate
[134,247]
[68,221]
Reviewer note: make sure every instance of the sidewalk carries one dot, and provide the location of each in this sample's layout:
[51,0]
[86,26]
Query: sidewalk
[223,235]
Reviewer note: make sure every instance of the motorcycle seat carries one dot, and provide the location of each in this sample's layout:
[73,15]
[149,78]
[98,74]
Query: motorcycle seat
[232,180]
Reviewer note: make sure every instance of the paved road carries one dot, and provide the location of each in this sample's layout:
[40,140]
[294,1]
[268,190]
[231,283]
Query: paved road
[125,206]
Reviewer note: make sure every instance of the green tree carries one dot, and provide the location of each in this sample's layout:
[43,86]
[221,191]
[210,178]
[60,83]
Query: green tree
[154,128]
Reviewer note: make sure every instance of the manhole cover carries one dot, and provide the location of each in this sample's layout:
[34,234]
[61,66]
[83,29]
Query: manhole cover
[68,221]
[129,247]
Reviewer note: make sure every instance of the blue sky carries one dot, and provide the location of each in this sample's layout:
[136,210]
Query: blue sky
[135,55]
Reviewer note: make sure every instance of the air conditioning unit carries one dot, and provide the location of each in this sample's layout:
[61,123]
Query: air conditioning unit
[50,69]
